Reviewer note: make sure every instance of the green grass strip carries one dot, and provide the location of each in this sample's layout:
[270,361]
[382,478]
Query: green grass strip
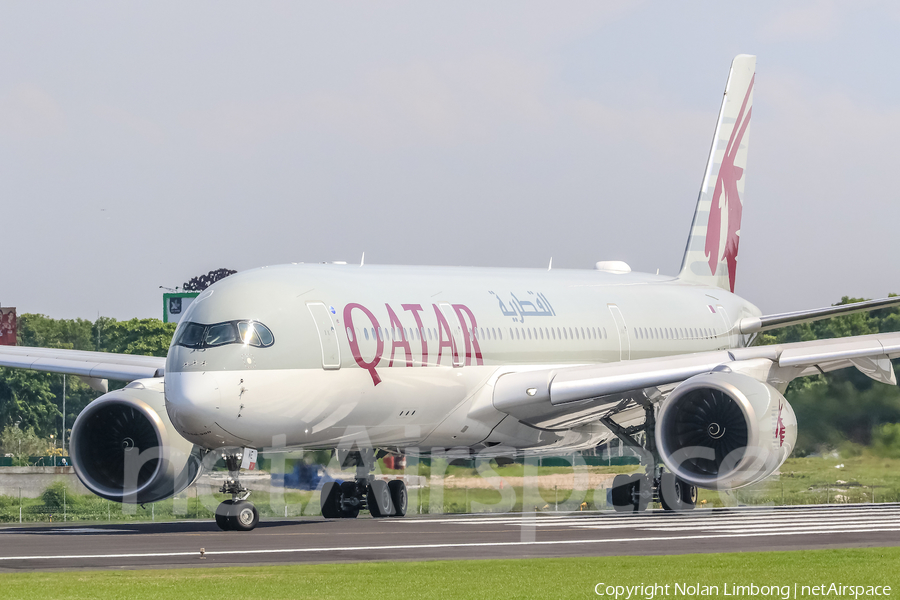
[523,578]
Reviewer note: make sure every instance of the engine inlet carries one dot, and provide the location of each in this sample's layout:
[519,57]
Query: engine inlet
[706,419]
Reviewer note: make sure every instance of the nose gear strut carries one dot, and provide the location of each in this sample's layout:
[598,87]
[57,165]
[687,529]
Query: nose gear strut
[236,514]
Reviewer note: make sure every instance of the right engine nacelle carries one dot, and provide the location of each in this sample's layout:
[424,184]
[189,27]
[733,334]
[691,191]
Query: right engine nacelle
[125,449]
[724,430]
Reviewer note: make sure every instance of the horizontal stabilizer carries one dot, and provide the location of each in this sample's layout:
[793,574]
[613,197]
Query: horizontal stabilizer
[764,323]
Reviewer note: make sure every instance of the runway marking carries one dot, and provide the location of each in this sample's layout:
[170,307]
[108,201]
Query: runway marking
[448,545]
[659,519]
[90,530]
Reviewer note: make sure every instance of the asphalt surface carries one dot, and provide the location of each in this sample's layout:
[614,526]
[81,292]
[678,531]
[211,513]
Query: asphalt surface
[316,540]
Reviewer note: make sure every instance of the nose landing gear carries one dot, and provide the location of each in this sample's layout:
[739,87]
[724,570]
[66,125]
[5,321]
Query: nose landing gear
[236,514]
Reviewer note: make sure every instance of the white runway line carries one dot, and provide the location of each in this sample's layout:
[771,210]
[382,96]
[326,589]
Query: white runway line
[657,519]
[434,546]
[735,513]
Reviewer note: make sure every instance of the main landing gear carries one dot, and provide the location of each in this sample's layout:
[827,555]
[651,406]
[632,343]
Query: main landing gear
[633,493]
[236,514]
[345,500]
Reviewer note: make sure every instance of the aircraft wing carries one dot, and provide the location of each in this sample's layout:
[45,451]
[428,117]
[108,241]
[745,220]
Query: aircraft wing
[564,396]
[95,365]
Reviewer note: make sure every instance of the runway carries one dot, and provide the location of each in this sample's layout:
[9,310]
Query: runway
[513,535]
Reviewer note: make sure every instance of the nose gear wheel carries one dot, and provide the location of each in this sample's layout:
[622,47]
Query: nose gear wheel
[236,514]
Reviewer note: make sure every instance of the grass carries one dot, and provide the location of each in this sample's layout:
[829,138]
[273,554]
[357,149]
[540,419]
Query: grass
[816,480]
[523,578]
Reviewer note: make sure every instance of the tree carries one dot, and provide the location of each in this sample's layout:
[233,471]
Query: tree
[26,398]
[22,443]
[34,399]
[43,332]
[201,282]
[149,337]
[845,404]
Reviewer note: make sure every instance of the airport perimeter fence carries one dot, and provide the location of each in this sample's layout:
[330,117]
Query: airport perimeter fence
[454,486]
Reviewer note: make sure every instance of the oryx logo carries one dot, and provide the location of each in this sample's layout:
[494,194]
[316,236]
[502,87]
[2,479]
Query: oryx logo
[726,200]
[779,425]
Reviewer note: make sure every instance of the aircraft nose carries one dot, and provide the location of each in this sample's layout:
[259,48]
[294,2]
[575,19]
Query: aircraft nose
[192,401]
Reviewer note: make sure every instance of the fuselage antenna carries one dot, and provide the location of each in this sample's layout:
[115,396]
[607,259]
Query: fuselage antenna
[550,266]
[362,261]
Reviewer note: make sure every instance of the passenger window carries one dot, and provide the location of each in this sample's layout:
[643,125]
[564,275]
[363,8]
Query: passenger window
[349,334]
[366,332]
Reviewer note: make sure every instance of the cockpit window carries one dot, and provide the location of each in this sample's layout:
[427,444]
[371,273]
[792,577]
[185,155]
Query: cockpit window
[255,334]
[191,335]
[249,333]
[220,334]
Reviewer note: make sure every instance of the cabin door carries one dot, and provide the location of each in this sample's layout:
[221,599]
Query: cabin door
[622,330]
[328,339]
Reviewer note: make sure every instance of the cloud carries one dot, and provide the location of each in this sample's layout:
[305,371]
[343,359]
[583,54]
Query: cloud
[432,103]
[814,21]
[130,123]
[28,112]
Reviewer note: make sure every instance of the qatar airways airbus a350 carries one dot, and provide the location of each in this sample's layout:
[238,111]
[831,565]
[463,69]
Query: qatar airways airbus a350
[368,359]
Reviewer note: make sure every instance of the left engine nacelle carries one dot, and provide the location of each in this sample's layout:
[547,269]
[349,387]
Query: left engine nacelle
[724,430]
[125,449]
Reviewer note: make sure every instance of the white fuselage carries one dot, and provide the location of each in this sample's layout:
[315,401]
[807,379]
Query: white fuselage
[407,356]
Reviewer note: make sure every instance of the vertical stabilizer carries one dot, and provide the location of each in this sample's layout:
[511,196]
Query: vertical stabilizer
[712,248]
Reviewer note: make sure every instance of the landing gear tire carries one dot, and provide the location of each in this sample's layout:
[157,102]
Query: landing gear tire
[689,495]
[378,499]
[620,494]
[642,492]
[244,516]
[675,494]
[399,497]
[670,492]
[223,515]
[330,500]
[349,504]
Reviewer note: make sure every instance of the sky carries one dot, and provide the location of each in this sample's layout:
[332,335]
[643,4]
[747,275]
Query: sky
[142,144]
